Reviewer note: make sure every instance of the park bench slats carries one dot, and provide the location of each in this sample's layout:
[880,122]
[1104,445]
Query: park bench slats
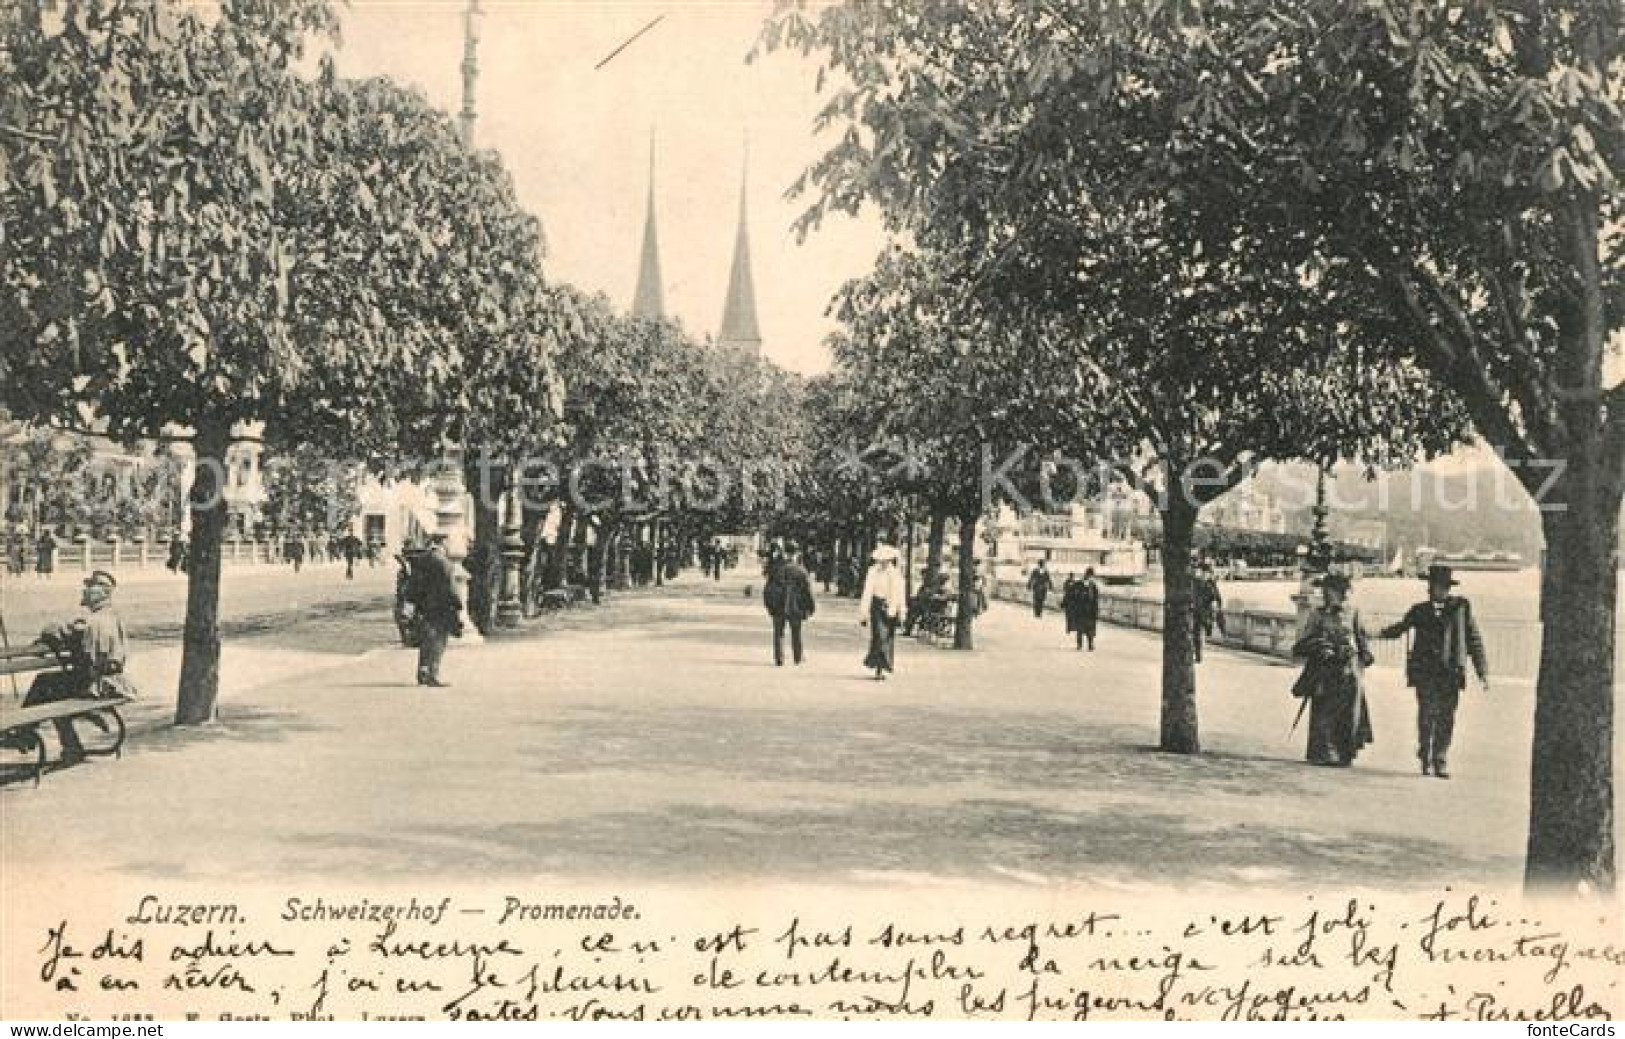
[20,726]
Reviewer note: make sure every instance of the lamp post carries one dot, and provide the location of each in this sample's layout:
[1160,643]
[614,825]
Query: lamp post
[1314,558]
[510,610]
[448,485]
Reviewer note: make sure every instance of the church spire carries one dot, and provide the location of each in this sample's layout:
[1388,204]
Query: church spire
[649,300]
[739,327]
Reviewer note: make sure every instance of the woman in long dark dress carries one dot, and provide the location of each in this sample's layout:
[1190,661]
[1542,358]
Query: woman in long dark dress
[1335,651]
[881,608]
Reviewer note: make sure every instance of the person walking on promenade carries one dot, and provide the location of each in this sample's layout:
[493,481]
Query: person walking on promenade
[1080,600]
[1207,606]
[45,554]
[176,563]
[1335,651]
[881,608]
[788,597]
[1444,638]
[1039,582]
[296,552]
[16,562]
[350,545]
[93,647]
[437,608]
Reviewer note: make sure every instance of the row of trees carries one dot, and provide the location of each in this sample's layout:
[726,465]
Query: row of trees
[1180,239]
[204,228]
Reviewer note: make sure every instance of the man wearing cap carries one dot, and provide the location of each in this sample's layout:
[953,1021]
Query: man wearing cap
[93,646]
[1443,639]
[436,607]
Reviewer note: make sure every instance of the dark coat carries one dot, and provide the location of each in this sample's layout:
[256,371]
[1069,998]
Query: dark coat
[788,592]
[433,592]
[1082,605]
[1335,652]
[1442,643]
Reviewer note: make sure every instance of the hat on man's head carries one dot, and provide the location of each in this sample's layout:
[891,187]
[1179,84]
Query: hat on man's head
[1440,572]
[102,578]
[884,554]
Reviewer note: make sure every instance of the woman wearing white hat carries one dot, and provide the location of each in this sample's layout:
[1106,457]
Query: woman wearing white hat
[881,608]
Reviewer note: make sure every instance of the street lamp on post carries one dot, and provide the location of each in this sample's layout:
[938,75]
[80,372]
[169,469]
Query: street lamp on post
[448,485]
[1315,558]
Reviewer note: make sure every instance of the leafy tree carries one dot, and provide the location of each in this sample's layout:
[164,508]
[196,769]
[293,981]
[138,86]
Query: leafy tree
[1179,346]
[1450,173]
[309,491]
[196,235]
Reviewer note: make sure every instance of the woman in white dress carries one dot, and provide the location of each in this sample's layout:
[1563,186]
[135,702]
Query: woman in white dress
[881,608]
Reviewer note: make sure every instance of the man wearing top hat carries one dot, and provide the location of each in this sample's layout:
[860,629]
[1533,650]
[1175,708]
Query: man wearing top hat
[1444,638]
[93,647]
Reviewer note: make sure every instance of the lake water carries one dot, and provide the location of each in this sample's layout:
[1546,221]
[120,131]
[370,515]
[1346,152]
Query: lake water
[1497,597]
[1506,606]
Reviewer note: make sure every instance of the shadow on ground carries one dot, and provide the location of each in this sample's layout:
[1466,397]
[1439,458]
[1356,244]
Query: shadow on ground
[979,839]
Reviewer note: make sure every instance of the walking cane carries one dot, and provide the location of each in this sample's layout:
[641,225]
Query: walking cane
[1303,705]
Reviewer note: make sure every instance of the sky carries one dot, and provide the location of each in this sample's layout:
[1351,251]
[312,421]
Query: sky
[577,142]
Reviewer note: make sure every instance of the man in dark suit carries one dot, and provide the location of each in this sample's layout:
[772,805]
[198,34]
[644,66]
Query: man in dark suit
[1039,582]
[437,608]
[788,597]
[1207,606]
[1444,639]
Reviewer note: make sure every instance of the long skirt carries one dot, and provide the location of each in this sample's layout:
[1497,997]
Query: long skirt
[882,637]
[1339,724]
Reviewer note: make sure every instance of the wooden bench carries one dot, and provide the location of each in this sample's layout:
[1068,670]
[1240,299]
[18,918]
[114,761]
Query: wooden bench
[20,726]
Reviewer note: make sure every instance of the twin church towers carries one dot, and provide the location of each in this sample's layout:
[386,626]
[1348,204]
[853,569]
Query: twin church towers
[739,329]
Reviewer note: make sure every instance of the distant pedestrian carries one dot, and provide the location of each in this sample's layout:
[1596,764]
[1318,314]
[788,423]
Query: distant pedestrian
[1080,600]
[176,563]
[788,596]
[45,554]
[437,609]
[16,562]
[1444,639]
[350,546]
[1207,607]
[1039,582]
[1334,648]
[881,607]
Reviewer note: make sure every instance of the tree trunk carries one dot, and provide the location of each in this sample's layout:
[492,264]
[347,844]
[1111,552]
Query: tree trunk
[603,546]
[535,565]
[1571,796]
[485,555]
[200,648]
[558,564]
[1179,730]
[963,635]
[933,547]
[908,555]
[579,551]
[658,547]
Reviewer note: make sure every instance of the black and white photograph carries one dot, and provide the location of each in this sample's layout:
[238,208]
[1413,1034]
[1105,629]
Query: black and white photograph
[882,510]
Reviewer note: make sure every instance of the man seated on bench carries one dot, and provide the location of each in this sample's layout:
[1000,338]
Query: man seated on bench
[92,647]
